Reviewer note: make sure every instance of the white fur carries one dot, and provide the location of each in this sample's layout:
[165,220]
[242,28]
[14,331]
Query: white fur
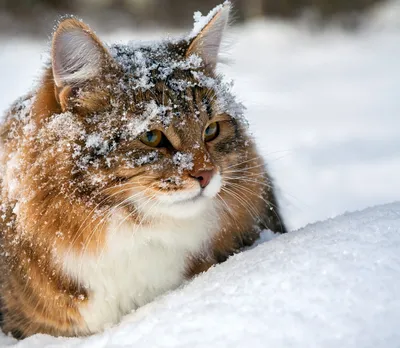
[11,175]
[183,204]
[139,263]
[214,186]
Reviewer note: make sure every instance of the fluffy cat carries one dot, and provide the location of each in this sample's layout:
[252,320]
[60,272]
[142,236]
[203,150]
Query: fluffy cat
[126,171]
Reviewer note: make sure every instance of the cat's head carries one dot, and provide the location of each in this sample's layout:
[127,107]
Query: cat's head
[152,125]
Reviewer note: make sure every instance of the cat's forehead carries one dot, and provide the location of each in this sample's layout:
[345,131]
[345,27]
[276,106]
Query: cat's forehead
[164,85]
[159,78]
[145,65]
[149,55]
[170,117]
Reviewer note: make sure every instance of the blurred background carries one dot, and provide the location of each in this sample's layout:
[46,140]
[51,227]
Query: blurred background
[36,16]
[320,80]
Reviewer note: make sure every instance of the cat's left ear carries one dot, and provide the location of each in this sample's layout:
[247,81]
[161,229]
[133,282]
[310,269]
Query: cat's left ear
[207,42]
[77,54]
[78,57]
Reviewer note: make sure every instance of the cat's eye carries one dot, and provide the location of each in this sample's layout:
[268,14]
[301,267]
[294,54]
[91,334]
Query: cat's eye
[211,131]
[152,138]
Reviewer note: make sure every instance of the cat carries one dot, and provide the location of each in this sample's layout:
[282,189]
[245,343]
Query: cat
[128,170]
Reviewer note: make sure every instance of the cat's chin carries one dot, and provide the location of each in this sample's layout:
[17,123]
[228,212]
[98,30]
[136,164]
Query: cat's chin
[183,204]
[184,209]
[177,207]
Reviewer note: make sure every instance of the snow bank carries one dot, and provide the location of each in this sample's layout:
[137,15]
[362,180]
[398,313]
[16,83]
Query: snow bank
[331,284]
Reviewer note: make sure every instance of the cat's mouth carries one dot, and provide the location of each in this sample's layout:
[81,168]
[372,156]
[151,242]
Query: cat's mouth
[181,204]
[191,199]
[196,193]
[180,196]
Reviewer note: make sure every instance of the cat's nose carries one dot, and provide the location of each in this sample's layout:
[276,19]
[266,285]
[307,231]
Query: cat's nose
[203,176]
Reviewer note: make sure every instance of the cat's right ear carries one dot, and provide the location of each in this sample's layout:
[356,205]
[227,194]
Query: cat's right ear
[77,55]
[206,43]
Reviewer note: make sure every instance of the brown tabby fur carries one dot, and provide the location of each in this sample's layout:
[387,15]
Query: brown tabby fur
[54,196]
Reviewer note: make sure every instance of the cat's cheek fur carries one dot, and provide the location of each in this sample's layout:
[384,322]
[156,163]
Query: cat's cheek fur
[214,187]
[135,265]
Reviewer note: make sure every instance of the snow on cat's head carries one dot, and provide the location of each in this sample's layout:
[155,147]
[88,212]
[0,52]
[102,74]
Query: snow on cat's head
[155,128]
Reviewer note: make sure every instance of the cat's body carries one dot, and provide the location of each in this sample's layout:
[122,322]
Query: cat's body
[127,171]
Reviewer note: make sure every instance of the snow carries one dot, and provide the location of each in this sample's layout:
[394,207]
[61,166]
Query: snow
[201,21]
[183,161]
[324,108]
[330,284]
[144,63]
[151,112]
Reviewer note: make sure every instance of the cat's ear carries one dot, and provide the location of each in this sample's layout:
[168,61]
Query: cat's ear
[77,54]
[207,41]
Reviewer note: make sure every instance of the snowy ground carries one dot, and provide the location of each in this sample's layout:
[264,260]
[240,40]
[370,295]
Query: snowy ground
[325,109]
[332,284]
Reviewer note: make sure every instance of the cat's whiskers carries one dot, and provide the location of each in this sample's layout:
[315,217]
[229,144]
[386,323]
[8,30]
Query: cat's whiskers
[83,252]
[146,199]
[248,190]
[130,186]
[247,179]
[257,158]
[101,223]
[250,177]
[110,211]
[273,207]
[104,200]
[248,170]
[258,166]
[262,175]
[243,162]
[81,228]
[232,181]
[144,216]
[228,211]
[137,225]
[248,206]
[229,168]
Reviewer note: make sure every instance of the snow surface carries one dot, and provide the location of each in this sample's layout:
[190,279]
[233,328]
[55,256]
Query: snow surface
[331,284]
[325,109]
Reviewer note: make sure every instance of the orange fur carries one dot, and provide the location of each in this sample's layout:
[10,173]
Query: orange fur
[51,206]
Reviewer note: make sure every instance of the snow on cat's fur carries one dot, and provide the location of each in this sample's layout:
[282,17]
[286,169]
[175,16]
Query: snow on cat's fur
[128,170]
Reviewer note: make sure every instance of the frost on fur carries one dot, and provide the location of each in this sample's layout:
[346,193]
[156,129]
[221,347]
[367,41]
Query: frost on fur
[207,33]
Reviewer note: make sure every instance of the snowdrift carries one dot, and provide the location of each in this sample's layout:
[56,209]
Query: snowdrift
[331,284]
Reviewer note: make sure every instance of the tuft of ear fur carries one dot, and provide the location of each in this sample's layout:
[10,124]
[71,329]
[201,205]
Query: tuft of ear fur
[77,53]
[207,41]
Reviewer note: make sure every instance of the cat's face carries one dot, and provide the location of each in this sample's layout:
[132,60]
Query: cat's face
[159,131]
[166,151]
[174,169]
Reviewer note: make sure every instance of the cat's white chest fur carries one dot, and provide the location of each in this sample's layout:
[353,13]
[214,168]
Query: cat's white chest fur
[136,265]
